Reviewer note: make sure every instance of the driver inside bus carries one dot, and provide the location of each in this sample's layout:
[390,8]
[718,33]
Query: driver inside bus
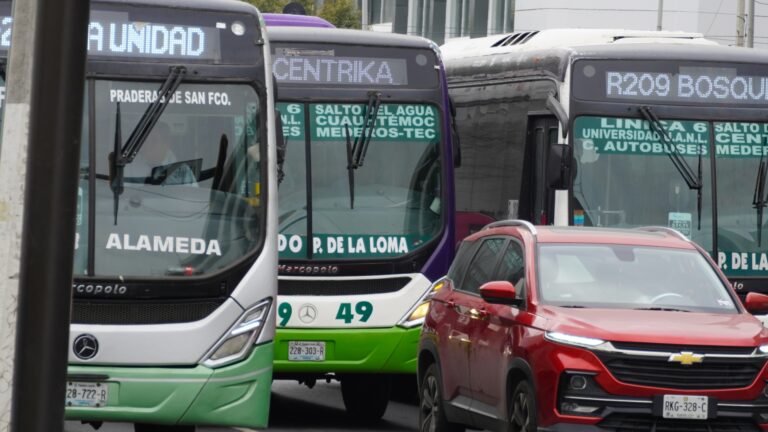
[156,164]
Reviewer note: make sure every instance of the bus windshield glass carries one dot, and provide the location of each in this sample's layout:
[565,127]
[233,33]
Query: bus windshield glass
[387,205]
[626,178]
[190,200]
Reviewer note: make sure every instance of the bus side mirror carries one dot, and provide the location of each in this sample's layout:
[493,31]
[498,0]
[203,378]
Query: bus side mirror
[560,166]
[281,145]
[455,142]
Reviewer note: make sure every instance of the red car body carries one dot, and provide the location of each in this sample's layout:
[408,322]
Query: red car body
[482,350]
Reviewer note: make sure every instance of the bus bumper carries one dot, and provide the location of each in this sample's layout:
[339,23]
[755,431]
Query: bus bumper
[234,395]
[380,350]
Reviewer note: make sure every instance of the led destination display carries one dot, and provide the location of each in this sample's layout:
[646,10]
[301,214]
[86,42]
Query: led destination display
[665,82]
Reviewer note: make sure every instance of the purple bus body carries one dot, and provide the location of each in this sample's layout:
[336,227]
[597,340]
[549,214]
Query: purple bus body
[288,20]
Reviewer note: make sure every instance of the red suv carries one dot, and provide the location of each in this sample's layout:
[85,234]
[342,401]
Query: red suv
[588,329]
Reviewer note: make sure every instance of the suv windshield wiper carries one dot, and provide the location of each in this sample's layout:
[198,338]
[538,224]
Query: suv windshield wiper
[356,152]
[124,154]
[759,199]
[693,181]
[665,309]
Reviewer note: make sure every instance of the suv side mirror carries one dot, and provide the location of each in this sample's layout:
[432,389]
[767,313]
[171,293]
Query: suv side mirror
[756,303]
[560,166]
[499,292]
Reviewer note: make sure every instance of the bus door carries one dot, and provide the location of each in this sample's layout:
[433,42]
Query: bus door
[537,199]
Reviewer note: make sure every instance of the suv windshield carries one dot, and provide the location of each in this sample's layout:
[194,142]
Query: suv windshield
[191,200]
[630,277]
[397,190]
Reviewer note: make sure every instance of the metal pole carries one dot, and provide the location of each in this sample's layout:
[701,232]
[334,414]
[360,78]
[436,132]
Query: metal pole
[365,15]
[52,146]
[659,15]
[740,23]
[751,24]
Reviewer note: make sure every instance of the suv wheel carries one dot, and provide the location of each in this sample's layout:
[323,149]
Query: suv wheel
[431,413]
[522,408]
[365,396]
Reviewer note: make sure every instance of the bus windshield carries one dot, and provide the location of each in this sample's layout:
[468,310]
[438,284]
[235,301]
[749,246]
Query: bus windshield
[388,206]
[191,198]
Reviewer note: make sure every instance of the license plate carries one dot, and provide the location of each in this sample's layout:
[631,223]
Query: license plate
[685,407]
[87,394]
[306,351]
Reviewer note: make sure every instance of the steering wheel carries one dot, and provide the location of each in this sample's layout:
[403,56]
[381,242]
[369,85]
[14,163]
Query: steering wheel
[668,294]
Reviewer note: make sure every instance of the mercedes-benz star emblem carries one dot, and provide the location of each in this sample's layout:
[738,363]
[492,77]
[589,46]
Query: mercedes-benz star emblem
[307,313]
[85,346]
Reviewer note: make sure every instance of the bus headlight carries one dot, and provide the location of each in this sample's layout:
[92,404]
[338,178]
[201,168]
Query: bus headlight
[237,343]
[415,316]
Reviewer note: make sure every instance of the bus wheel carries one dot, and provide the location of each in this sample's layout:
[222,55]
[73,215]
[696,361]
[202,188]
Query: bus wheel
[144,427]
[365,396]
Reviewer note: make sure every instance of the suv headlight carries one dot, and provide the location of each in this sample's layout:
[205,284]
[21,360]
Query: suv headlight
[415,316]
[579,341]
[237,342]
[763,349]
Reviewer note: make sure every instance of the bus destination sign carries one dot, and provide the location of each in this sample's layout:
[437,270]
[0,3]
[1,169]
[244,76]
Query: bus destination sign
[114,34]
[672,83]
[307,66]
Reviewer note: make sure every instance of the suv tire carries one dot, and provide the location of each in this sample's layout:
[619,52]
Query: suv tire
[365,396]
[522,408]
[431,409]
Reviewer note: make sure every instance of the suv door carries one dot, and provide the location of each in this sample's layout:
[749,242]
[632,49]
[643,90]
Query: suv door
[457,307]
[493,338]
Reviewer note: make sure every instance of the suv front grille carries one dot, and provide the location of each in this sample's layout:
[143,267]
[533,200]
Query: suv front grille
[712,373]
[337,287]
[146,312]
[641,423]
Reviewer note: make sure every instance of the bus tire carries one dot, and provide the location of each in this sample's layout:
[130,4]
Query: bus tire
[145,427]
[365,396]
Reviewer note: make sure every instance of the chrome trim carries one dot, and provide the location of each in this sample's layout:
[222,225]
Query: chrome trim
[608,347]
[585,398]
[668,230]
[735,405]
[513,222]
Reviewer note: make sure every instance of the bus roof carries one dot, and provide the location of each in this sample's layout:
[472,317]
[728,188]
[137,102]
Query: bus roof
[347,37]
[214,5]
[290,20]
[491,58]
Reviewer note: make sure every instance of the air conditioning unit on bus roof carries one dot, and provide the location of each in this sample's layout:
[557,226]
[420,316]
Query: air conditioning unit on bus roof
[563,38]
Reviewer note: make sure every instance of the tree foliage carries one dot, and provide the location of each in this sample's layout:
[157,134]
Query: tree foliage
[341,13]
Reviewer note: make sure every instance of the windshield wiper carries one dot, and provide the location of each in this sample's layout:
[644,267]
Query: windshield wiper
[665,309]
[356,152]
[124,154]
[759,199]
[694,181]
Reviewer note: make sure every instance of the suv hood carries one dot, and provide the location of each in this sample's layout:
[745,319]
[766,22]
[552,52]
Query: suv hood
[659,327]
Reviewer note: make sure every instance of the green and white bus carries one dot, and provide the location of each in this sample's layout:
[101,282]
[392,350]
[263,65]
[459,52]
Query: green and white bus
[175,265]
[617,128]
[366,206]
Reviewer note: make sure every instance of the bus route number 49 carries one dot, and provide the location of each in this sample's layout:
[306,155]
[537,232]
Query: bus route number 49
[362,312]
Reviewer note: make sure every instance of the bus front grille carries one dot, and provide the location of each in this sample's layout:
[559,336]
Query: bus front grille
[326,287]
[146,312]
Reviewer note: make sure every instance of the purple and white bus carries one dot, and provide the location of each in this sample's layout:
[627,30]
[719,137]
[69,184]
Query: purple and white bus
[366,208]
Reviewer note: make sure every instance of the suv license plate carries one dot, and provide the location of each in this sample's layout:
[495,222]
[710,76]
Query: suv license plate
[685,407]
[306,351]
[87,394]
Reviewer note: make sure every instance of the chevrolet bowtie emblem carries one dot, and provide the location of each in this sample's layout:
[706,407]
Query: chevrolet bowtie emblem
[686,358]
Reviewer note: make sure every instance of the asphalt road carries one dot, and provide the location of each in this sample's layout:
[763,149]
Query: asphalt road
[296,408]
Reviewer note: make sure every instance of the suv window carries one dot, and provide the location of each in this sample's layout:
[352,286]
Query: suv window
[512,267]
[483,265]
[463,255]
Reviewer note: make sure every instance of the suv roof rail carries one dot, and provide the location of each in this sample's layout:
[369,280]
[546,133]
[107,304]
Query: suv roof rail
[668,230]
[513,222]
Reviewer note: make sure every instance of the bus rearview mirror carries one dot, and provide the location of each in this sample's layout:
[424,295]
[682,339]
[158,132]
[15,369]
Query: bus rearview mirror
[560,166]
[280,144]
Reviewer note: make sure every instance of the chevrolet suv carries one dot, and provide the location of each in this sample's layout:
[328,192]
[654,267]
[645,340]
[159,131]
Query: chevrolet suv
[589,329]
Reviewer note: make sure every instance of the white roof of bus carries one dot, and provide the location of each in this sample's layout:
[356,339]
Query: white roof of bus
[563,38]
